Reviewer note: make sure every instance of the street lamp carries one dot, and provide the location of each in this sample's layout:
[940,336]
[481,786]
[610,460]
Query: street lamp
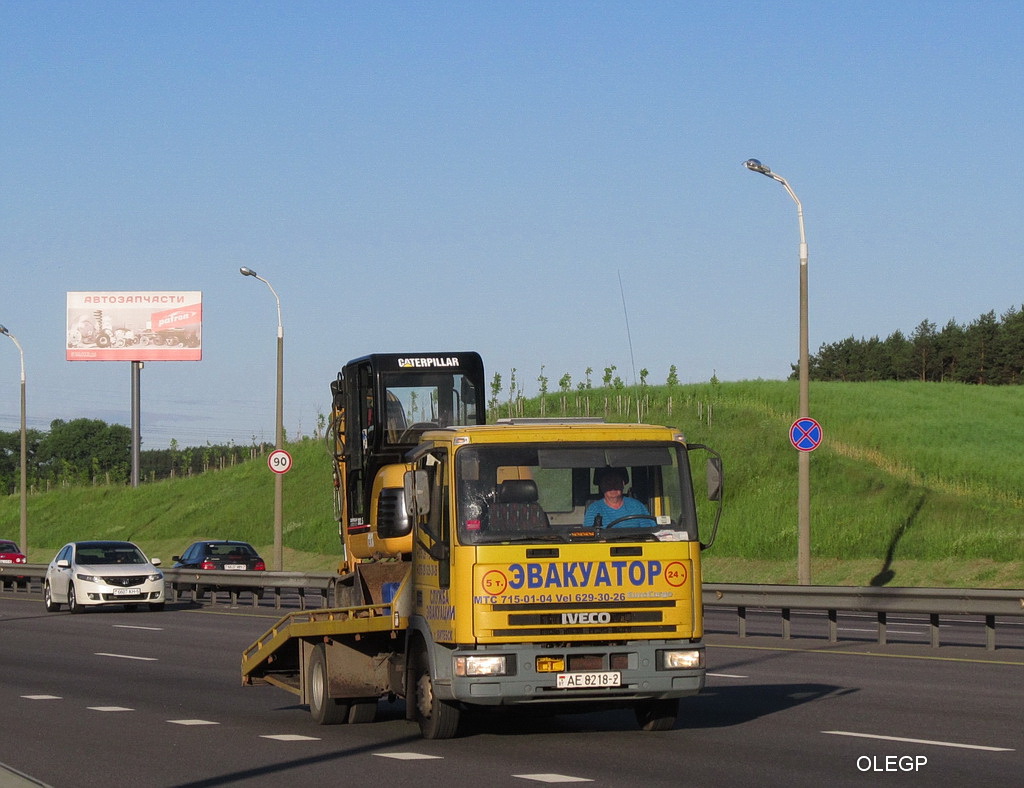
[804,459]
[279,432]
[24,463]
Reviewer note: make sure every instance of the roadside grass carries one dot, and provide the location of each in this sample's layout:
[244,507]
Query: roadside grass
[915,484]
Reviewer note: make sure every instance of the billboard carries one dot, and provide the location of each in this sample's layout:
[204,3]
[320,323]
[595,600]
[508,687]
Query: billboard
[151,325]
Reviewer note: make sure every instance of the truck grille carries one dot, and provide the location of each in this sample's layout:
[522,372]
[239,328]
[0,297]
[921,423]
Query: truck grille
[586,618]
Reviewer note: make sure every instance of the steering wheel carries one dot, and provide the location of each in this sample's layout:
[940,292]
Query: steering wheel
[414,430]
[613,523]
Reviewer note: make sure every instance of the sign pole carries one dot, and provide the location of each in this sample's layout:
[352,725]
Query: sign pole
[136,421]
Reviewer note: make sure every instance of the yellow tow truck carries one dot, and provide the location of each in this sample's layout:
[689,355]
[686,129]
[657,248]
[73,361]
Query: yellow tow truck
[473,575]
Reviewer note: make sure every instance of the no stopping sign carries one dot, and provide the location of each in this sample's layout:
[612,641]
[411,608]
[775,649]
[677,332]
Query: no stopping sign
[805,434]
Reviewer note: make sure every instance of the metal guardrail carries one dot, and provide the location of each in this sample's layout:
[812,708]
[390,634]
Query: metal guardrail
[933,602]
[196,585]
[256,584]
[882,602]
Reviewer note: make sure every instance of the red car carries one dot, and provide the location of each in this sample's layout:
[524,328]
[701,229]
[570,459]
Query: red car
[10,554]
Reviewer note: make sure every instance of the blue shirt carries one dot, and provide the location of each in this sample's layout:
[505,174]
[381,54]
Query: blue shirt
[609,515]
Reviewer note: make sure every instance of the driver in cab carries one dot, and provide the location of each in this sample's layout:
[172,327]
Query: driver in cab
[613,504]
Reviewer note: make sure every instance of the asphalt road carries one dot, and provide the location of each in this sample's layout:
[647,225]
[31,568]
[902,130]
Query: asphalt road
[126,699]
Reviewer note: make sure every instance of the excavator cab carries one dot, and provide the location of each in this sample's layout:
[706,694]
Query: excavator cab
[381,406]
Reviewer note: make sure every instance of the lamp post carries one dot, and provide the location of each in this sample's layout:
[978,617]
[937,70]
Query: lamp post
[279,427]
[804,458]
[23,535]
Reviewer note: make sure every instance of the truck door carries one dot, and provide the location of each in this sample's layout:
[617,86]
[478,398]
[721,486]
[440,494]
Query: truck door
[433,550]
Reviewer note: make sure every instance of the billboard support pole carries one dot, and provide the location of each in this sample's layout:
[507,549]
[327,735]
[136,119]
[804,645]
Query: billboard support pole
[136,421]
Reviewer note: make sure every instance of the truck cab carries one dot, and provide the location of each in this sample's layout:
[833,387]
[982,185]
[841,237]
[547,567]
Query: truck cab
[520,599]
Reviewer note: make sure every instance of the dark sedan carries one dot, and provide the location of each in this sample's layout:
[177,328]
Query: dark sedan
[220,554]
[223,554]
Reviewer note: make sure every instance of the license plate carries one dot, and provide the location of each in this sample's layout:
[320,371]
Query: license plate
[608,678]
[6,561]
[127,591]
[235,566]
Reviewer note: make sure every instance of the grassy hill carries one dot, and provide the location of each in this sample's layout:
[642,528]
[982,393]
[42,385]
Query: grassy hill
[914,484]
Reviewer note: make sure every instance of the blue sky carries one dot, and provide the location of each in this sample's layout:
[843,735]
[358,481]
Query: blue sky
[421,176]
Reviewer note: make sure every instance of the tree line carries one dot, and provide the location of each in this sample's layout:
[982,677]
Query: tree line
[986,351]
[90,451]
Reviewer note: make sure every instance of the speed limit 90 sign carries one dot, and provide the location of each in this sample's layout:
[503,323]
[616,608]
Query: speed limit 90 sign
[279,461]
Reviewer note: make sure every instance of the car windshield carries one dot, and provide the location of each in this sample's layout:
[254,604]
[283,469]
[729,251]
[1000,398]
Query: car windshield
[9,547]
[554,493]
[110,554]
[234,550]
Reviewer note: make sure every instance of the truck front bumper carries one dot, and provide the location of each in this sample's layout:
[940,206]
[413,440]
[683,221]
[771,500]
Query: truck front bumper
[638,670]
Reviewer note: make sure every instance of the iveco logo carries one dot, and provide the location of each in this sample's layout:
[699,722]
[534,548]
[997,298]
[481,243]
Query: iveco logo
[586,618]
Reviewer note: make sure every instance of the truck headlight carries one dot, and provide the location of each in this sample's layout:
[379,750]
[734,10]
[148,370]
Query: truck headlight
[480,665]
[684,659]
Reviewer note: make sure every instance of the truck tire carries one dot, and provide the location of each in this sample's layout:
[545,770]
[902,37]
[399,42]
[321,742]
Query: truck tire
[438,719]
[325,709]
[657,715]
[362,711]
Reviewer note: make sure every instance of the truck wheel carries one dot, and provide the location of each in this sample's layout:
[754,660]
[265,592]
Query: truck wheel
[362,710]
[657,715]
[438,719]
[325,709]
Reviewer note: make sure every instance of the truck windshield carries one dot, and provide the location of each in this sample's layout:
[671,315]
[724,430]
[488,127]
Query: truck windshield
[556,492]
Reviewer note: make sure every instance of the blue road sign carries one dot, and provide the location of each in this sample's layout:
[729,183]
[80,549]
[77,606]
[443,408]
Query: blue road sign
[805,434]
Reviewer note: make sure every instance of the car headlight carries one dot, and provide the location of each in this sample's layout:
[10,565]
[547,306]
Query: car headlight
[90,578]
[479,665]
[156,576]
[684,659]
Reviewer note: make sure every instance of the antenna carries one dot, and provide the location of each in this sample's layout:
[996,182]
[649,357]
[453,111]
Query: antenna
[629,338]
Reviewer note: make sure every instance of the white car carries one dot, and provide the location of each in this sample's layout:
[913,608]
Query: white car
[102,573]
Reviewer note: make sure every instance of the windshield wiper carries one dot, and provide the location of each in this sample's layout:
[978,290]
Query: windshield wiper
[528,538]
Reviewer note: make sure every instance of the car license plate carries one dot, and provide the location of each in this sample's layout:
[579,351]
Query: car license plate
[235,566]
[127,591]
[6,561]
[608,678]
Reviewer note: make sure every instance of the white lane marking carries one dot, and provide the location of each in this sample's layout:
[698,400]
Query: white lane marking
[553,778]
[288,737]
[133,626]
[887,631]
[728,676]
[42,697]
[407,756]
[108,708]
[921,741]
[125,656]
[192,722]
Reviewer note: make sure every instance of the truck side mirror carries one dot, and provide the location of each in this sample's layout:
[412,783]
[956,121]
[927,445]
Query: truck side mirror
[417,493]
[714,478]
